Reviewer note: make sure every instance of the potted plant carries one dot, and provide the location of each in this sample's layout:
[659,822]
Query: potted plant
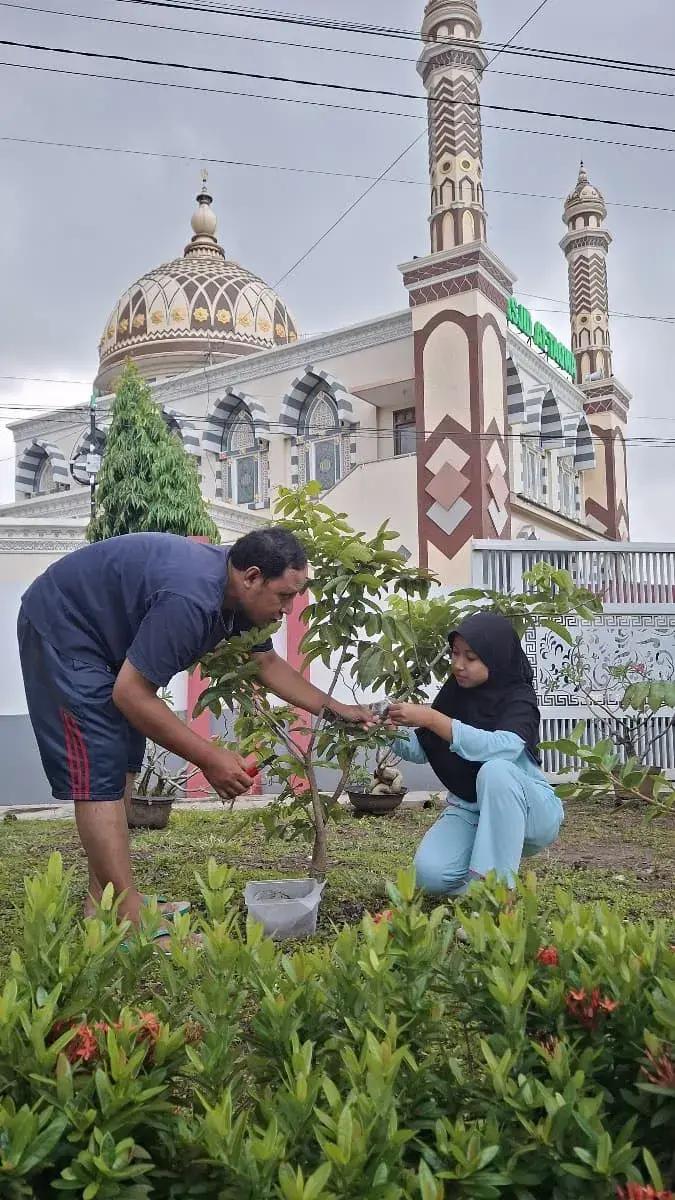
[157,785]
[155,789]
[622,763]
[376,792]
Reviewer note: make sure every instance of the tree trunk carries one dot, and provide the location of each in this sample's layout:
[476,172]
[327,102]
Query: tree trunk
[320,848]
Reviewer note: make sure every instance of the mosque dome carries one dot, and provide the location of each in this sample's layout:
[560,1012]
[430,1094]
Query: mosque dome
[196,310]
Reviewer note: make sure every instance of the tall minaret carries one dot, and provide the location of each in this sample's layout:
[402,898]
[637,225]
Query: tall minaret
[452,65]
[458,296]
[586,245]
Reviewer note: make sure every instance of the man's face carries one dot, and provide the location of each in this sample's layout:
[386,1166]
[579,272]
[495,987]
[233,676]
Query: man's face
[265,601]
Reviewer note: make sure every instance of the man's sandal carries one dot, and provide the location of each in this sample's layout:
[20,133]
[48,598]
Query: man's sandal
[180,907]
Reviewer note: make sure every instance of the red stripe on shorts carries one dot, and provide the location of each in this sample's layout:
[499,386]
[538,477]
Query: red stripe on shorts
[76,754]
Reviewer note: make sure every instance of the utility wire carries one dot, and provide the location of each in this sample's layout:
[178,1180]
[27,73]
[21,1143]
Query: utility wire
[397,58]
[381,31]
[162,83]
[334,86]
[212,160]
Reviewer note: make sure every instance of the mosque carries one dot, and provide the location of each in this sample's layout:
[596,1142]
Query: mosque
[458,419]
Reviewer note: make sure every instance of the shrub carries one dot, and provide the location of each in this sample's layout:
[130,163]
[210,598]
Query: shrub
[388,1062]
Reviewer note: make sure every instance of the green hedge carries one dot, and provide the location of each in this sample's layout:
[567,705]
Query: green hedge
[533,1062]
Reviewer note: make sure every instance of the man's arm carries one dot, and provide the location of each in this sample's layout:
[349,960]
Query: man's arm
[137,700]
[280,678]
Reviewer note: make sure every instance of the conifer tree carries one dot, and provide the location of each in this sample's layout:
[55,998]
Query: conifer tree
[148,483]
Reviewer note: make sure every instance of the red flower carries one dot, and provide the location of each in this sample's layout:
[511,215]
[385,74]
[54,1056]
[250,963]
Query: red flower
[83,1047]
[148,1027]
[663,1071]
[547,956]
[638,1191]
[587,1009]
[383,916]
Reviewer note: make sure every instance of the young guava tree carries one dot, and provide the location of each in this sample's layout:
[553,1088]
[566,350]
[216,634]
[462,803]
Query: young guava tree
[372,622]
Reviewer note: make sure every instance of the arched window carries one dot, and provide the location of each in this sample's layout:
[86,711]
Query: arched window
[320,430]
[568,486]
[534,472]
[241,468]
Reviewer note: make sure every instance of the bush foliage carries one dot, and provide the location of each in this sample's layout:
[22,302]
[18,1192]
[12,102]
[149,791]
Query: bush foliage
[534,1062]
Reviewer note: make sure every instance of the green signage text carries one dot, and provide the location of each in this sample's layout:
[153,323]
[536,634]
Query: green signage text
[521,317]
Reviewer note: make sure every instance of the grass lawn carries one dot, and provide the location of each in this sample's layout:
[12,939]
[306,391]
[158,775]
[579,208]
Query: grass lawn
[603,854]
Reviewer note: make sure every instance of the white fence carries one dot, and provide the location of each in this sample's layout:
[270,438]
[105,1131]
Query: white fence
[636,583]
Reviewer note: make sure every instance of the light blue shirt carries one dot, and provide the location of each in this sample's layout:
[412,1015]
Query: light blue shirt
[474,745]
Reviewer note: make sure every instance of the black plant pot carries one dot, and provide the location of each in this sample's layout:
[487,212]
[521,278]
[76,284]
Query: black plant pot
[149,812]
[366,804]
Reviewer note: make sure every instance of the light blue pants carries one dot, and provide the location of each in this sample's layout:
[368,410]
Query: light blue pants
[516,814]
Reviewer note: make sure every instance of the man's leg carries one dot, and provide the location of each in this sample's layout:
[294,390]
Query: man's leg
[95,886]
[104,833]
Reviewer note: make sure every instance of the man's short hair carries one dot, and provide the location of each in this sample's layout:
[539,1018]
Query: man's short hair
[272,551]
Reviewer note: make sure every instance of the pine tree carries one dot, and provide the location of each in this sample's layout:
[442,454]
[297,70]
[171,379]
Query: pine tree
[148,483]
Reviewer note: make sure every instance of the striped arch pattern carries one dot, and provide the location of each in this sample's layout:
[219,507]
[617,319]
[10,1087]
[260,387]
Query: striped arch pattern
[188,432]
[544,419]
[514,394]
[222,414]
[301,389]
[292,407]
[579,439]
[28,466]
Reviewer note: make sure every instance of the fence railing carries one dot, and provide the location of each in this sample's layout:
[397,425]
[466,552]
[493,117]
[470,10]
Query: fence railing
[636,583]
[629,575]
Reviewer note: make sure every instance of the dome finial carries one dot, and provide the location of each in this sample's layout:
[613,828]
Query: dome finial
[204,223]
[583,173]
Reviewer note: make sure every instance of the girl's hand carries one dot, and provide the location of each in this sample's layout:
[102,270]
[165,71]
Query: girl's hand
[407,715]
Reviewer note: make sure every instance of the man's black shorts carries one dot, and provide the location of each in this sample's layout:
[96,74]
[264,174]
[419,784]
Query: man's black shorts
[87,747]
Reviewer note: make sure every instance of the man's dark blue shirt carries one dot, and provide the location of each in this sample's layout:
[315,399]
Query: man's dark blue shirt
[154,598]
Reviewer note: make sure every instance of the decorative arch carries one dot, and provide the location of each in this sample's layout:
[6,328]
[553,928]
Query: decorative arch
[300,391]
[31,463]
[188,432]
[238,433]
[221,417]
[551,427]
[579,439]
[515,396]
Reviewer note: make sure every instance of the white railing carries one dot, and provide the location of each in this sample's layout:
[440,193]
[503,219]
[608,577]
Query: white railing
[626,575]
[636,583]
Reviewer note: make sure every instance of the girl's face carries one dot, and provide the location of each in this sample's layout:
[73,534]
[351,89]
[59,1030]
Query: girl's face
[467,667]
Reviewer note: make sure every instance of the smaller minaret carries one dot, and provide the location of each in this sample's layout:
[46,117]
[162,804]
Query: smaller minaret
[585,246]
[451,65]
[606,403]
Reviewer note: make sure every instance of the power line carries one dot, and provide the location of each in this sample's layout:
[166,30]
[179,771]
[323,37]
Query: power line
[345,50]
[332,85]
[163,83]
[212,160]
[381,31]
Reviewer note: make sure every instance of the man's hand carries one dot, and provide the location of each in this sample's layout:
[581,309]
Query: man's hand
[355,714]
[226,772]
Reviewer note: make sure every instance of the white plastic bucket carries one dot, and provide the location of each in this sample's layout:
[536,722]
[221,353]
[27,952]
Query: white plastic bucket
[286,908]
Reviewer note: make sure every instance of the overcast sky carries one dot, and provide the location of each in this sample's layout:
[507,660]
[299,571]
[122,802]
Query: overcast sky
[77,227]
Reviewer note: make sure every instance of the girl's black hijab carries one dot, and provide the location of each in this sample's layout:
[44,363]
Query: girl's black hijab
[506,701]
